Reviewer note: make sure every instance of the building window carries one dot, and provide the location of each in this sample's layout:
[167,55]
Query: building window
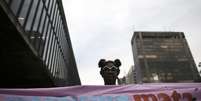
[53,58]
[38,15]
[49,44]
[55,19]
[31,15]
[23,12]
[50,6]
[53,10]
[42,21]
[46,41]
[15,5]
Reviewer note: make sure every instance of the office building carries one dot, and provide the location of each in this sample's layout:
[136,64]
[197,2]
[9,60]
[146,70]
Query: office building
[129,78]
[163,57]
[36,49]
[121,81]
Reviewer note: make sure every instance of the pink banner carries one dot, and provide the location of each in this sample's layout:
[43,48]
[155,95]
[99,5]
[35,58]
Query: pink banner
[139,92]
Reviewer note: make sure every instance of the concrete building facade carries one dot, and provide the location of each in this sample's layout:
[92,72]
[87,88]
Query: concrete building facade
[163,57]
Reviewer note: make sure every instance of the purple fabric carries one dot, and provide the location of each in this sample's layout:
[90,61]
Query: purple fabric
[99,90]
[130,90]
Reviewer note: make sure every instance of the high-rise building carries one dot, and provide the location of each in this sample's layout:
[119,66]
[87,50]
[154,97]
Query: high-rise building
[129,78]
[163,57]
[35,48]
[122,81]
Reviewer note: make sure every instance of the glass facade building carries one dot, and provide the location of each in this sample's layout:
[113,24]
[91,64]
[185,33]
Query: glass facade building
[42,26]
[163,57]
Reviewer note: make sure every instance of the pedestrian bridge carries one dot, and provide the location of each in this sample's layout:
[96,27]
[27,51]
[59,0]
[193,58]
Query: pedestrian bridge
[135,92]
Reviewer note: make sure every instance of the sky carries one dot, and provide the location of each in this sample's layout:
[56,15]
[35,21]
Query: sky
[102,29]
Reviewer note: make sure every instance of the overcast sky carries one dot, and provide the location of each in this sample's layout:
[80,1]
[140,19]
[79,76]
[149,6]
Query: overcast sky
[103,29]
